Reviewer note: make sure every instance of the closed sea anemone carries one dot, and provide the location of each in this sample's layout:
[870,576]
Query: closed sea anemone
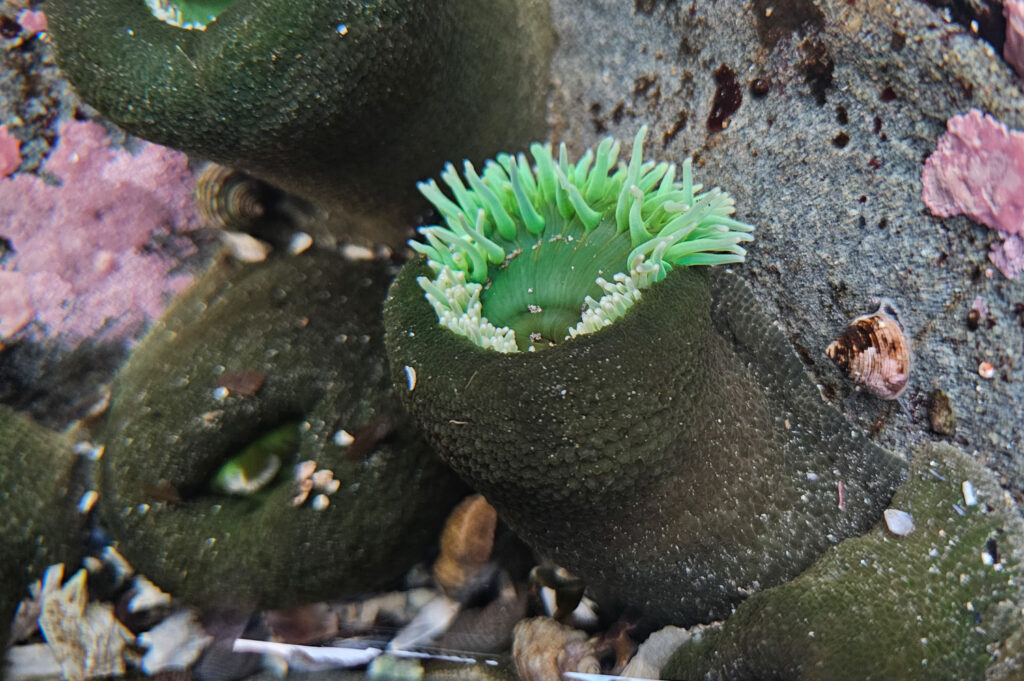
[532,257]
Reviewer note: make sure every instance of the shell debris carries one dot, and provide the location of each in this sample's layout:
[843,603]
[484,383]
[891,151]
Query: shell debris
[970,498]
[875,353]
[986,370]
[900,523]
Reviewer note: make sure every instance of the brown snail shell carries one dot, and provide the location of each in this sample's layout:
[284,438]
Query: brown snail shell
[875,353]
[466,544]
[228,199]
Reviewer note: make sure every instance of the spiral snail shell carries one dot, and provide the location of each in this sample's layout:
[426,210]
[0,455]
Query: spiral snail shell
[875,353]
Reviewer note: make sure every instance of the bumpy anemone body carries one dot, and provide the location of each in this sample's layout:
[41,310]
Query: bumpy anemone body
[662,441]
[344,103]
[942,602]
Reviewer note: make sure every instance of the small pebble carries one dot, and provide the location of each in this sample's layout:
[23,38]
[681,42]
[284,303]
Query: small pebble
[898,522]
[220,394]
[320,502]
[986,370]
[410,375]
[322,478]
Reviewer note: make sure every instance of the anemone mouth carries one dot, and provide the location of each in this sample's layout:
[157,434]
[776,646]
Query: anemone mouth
[532,257]
[190,14]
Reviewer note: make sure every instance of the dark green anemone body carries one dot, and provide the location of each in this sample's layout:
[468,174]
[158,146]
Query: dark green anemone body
[281,360]
[41,482]
[945,602]
[676,456]
[346,103]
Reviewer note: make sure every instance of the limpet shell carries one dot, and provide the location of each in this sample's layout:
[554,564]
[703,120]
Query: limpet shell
[875,353]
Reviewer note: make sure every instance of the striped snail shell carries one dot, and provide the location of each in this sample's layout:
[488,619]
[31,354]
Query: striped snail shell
[229,199]
[875,353]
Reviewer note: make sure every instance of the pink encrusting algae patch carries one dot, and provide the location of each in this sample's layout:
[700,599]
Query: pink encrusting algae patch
[32,21]
[94,257]
[977,170]
[1013,48]
[10,152]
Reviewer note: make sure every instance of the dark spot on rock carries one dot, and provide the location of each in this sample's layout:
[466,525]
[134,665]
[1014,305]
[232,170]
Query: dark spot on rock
[973,319]
[759,87]
[863,199]
[817,67]
[887,94]
[1019,309]
[648,88]
[6,249]
[685,47]
[642,84]
[595,119]
[728,97]
[648,6]
[883,223]
[841,140]
[877,128]
[681,118]
[874,163]
[244,383]
[618,112]
[9,28]
[842,118]
[862,222]
[777,19]
[898,41]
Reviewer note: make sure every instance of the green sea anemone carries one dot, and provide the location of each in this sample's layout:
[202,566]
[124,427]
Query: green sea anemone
[347,104]
[945,601]
[255,432]
[663,442]
[530,258]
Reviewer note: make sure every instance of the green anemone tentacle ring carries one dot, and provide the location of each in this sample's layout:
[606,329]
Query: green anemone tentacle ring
[662,440]
[345,103]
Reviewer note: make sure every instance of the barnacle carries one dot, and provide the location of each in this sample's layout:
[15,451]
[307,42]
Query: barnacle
[674,455]
[531,258]
[346,104]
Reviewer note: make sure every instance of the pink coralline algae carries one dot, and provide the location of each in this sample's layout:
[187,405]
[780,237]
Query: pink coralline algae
[93,257]
[977,170]
[10,152]
[1013,48]
[32,21]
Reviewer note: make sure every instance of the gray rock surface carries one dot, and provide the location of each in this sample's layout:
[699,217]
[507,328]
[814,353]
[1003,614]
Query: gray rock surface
[827,164]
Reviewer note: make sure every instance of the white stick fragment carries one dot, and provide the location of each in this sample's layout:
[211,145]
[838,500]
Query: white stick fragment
[969,496]
[310,658]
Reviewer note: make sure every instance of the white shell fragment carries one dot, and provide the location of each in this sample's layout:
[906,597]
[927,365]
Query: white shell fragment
[970,498]
[299,243]
[410,375]
[900,523]
[87,501]
[343,438]
[320,502]
[174,644]
[85,637]
[147,595]
[245,247]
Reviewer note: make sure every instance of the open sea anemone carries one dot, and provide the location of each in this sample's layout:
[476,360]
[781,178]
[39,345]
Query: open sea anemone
[583,245]
[663,441]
